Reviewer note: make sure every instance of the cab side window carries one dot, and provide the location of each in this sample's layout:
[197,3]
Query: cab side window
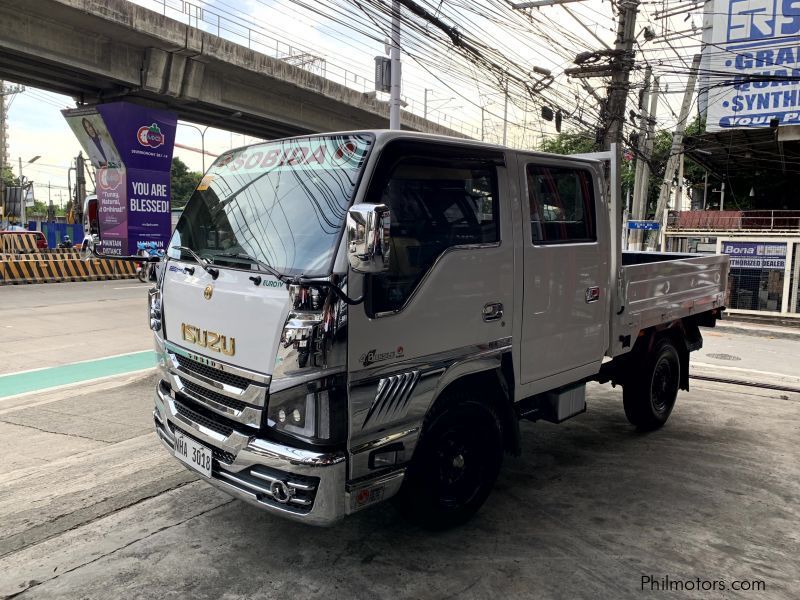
[434,205]
[561,205]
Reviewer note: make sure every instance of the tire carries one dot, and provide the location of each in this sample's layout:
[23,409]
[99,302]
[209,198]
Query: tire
[141,273]
[455,465]
[650,394]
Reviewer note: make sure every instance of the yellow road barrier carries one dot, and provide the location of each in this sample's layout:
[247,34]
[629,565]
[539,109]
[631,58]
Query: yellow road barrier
[22,269]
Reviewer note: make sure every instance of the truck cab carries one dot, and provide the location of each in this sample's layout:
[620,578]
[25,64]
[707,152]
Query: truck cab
[346,318]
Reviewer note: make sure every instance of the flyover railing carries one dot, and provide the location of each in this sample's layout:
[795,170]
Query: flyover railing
[237,28]
[734,220]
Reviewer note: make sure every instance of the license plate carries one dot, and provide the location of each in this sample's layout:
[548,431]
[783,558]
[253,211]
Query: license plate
[194,454]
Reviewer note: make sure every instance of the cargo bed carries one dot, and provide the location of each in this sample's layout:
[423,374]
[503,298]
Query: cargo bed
[655,288]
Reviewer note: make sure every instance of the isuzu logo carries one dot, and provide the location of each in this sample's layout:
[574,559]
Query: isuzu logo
[216,342]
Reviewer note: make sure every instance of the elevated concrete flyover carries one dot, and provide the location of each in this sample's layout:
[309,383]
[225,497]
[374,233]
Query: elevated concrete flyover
[104,50]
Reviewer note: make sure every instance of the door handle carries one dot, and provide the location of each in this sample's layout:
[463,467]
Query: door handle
[592,294]
[492,311]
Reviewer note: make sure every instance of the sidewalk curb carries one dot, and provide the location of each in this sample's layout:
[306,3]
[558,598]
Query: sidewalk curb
[784,333]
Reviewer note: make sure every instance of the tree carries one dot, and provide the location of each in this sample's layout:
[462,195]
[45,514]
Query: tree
[570,143]
[9,179]
[183,182]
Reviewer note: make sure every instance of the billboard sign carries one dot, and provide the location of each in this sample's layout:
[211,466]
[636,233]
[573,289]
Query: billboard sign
[756,255]
[130,147]
[754,61]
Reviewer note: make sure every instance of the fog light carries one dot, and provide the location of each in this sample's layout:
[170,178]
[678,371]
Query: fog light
[282,416]
[296,415]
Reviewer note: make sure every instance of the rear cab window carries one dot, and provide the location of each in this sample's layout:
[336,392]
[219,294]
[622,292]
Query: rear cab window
[562,207]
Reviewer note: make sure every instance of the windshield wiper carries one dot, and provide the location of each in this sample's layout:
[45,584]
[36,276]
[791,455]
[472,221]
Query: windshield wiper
[268,268]
[294,279]
[200,261]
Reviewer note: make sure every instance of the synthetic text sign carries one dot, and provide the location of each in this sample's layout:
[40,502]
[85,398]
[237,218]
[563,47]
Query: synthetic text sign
[755,57]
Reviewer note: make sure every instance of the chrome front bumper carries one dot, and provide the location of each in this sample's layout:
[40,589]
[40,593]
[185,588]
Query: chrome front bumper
[298,484]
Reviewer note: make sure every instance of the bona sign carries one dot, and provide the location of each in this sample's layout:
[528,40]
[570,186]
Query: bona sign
[754,43]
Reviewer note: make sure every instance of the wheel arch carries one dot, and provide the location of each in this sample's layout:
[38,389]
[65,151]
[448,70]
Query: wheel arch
[489,380]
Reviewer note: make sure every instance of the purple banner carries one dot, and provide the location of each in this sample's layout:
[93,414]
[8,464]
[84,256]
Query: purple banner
[130,147]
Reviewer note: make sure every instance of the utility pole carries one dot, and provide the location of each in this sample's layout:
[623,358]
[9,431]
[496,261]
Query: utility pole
[80,185]
[505,110]
[677,147]
[621,66]
[394,57]
[4,162]
[620,73]
[642,184]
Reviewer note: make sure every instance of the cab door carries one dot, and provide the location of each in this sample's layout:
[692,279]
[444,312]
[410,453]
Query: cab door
[565,271]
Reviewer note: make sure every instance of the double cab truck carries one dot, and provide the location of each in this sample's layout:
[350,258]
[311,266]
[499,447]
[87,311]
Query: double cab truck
[342,319]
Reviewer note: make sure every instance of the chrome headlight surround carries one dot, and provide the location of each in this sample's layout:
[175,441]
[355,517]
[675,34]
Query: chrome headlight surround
[154,307]
[314,412]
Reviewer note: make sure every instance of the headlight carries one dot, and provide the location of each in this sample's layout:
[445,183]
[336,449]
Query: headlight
[154,308]
[315,412]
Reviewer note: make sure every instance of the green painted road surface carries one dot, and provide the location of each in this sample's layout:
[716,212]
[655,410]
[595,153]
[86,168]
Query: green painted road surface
[41,379]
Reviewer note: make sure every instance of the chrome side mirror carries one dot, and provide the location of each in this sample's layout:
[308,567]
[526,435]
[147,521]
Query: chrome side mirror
[368,238]
[91,246]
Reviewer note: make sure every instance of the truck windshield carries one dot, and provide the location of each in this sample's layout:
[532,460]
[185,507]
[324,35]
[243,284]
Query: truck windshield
[282,203]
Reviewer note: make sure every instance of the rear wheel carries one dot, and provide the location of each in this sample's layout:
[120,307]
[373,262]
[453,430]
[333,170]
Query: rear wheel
[650,393]
[455,465]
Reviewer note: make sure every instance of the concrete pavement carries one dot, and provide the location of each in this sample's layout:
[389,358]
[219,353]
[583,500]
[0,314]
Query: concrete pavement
[589,508]
[92,506]
[61,323]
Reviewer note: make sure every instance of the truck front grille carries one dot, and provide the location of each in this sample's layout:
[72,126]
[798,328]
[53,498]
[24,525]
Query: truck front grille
[199,368]
[216,423]
[204,392]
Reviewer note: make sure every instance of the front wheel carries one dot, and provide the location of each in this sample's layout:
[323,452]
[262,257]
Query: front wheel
[455,465]
[650,393]
[141,272]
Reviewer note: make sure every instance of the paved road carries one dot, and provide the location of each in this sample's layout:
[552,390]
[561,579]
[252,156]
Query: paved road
[91,506]
[61,323]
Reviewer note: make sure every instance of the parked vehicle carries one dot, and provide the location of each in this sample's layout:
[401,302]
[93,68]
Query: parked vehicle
[352,317]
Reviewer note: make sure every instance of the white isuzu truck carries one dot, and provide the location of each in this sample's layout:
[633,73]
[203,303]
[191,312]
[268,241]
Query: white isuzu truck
[346,318]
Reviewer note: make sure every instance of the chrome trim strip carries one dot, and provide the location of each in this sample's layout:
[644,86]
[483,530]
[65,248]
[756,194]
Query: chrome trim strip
[285,383]
[249,415]
[228,368]
[298,486]
[432,361]
[262,490]
[392,437]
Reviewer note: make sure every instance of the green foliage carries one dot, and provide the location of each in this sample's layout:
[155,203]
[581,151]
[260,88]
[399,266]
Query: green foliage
[8,177]
[183,182]
[570,143]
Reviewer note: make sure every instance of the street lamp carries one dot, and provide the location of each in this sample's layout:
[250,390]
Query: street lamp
[202,140]
[22,188]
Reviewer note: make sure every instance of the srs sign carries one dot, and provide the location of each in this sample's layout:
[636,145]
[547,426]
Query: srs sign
[752,255]
[755,60]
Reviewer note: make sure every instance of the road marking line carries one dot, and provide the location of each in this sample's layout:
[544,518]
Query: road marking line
[742,369]
[15,384]
[88,360]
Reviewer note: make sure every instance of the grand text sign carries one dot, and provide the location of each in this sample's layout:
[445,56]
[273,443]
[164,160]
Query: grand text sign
[754,64]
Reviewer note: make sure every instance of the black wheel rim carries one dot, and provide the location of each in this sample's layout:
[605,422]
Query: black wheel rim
[460,465]
[664,385]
